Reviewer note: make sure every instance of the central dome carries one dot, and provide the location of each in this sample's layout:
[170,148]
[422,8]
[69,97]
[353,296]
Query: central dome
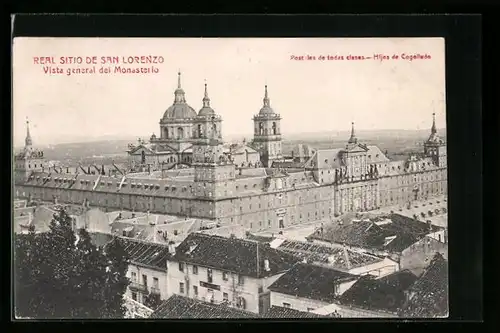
[179,111]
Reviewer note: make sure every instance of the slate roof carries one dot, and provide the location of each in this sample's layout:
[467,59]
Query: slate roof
[386,294]
[370,235]
[240,256]
[311,281]
[337,257]
[279,312]
[145,253]
[429,294]
[180,307]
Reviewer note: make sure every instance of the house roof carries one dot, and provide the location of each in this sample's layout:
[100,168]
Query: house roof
[340,258]
[241,256]
[280,312]
[429,294]
[386,294]
[145,253]
[373,233]
[311,281]
[180,307]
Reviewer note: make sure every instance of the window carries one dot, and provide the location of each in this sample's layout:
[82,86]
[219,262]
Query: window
[195,269]
[124,233]
[134,296]
[145,280]
[225,297]
[261,289]
[156,283]
[241,303]
[181,267]
[181,287]
[287,305]
[310,309]
[224,276]
[240,280]
[195,290]
[134,276]
[209,275]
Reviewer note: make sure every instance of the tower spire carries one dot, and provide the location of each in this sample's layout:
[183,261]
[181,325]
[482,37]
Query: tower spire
[433,128]
[353,138]
[206,99]
[266,97]
[28,142]
[179,92]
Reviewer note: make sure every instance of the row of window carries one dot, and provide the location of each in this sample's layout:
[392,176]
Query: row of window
[225,275]
[241,302]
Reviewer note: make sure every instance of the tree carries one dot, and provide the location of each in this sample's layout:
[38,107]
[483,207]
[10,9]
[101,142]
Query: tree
[63,275]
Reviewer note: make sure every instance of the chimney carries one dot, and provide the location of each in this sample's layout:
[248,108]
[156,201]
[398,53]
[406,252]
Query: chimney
[171,247]
[133,215]
[266,265]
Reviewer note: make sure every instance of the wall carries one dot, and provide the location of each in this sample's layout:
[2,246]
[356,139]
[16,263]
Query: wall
[381,268]
[419,255]
[249,290]
[296,303]
[150,273]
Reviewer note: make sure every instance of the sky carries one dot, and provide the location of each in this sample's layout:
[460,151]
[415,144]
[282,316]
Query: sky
[311,95]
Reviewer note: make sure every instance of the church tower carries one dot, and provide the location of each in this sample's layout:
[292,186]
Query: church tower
[267,133]
[29,160]
[213,171]
[435,147]
[207,123]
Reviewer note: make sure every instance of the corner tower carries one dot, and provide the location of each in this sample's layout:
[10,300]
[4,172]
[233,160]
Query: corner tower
[29,160]
[267,133]
[435,147]
[213,171]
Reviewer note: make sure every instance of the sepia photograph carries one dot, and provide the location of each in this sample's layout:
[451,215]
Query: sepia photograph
[229,178]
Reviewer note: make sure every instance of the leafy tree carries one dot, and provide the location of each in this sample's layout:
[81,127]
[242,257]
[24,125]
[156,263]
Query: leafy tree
[63,275]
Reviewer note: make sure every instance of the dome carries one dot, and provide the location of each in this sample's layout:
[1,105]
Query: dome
[206,111]
[179,111]
[266,110]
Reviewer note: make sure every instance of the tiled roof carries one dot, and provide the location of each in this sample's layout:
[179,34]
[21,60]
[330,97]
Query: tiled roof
[287,313]
[240,256]
[311,281]
[429,294]
[340,258]
[145,253]
[386,294]
[180,307]
[369,234]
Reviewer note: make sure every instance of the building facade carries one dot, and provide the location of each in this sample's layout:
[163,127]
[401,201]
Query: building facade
[330,183]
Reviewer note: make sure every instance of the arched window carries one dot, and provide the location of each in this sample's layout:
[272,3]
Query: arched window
[165,133]
[261,128]
[246,155]
[275,130]
[199,131]
[143,157]
[180,132]
[214,129]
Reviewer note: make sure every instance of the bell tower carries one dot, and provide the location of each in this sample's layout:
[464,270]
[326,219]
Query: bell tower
[435,147]
[267,133]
